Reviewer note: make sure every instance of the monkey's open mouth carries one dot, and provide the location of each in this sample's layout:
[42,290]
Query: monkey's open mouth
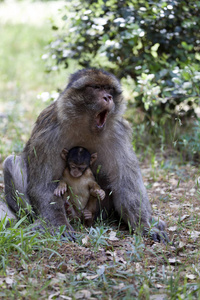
[101,119]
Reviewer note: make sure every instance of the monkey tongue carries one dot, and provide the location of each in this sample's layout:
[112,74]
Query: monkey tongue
[101,119]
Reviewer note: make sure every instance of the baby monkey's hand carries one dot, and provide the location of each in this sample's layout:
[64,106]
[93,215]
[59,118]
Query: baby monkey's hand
[101,194]
[61,189]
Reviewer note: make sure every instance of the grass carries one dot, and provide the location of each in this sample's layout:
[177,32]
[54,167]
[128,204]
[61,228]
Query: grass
[107,261]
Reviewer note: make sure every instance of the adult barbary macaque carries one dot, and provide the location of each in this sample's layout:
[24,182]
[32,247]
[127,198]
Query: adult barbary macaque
[78,186]
[88,113]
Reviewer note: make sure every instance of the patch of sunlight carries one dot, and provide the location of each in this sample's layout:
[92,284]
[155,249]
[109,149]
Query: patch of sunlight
[36,13]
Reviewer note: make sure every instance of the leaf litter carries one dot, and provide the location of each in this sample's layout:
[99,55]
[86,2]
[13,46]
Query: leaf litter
[125,262]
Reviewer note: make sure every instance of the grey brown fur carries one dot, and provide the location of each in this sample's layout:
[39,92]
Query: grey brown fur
[69,122]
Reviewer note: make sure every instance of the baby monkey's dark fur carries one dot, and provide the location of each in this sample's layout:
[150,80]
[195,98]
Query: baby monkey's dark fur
[78,186]
[88,114]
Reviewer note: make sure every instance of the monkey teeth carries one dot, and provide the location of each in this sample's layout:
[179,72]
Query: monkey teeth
[101,119]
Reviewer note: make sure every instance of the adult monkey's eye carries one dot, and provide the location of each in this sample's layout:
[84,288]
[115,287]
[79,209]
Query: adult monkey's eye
[94,86]
[111,90]
[97,87]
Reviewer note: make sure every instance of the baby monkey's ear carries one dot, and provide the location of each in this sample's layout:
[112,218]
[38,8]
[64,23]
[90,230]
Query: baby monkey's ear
[93,158]
[64,154]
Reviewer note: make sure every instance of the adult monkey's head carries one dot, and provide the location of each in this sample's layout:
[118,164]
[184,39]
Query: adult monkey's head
[95,92]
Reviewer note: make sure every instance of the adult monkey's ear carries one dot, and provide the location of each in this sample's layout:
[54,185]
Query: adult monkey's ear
[64,154]
[93,158]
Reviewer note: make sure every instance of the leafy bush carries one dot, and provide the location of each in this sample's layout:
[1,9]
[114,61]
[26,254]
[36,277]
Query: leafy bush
[156,43]
[189,142]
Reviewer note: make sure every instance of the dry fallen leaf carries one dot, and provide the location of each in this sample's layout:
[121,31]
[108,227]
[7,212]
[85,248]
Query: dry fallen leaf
[173,181]
[61,276]
[10,271]
[55,281]
[175,206]
[86,240]
[160,286]
[81,276]
[187,204]
[33,281]
[172,228]
[190,276]
[112,236]
[91,277]
[119,287]
[83,294]
[158,297]
[54,295]
[138,266]
[116,257]
[180,246]
[194,234]
[10,281]
[65,297]
[101,270]
[174,261]
[184,217]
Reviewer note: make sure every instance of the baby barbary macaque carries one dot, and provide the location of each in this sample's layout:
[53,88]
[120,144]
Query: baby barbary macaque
[81,191]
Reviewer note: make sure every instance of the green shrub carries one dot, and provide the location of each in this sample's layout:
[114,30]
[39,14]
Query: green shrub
[189,143]
[156,43]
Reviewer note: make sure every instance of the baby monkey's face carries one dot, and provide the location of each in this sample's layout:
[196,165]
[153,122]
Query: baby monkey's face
[77,170]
